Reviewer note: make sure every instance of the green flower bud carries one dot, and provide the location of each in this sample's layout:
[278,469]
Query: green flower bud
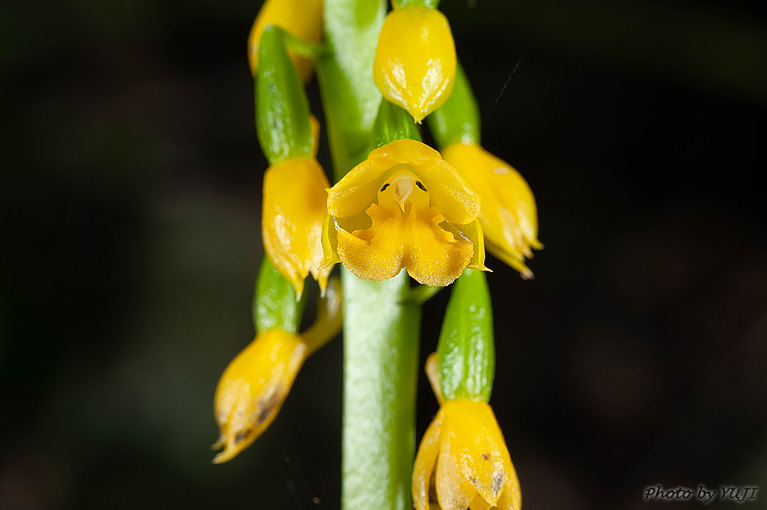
[466,350]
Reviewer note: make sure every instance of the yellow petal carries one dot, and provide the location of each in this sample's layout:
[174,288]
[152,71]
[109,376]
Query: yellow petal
[293,211]
[448,190]
[476,449]
[473,232]
[454,491]
[329,243]
[301,18]
[369,259]
[513,189]
[511,497]
[425,461]
[509,218]
[514,260]
[358,189]
[436,257]
[479,503]
[415,60]
[253,388]
[406,151]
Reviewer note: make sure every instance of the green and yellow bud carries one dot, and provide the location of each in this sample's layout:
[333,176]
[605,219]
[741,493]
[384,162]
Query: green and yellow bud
[256,383]
[463,459]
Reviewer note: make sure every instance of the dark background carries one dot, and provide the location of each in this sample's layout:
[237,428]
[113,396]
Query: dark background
[130,216]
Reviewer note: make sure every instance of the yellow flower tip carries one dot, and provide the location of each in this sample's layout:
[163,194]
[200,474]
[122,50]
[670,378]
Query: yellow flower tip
[415,60]
[301,18]
[293,210]
[252,389]
[404,207]
[464,460]
[509,216]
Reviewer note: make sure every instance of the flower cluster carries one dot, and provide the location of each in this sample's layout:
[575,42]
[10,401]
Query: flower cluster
[405,206]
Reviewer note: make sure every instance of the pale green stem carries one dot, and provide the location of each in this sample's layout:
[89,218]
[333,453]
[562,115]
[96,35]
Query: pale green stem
[381,337]
[349,95]
[381,325]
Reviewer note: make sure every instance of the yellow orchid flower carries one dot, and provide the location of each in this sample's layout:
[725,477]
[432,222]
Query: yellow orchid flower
[509,219]
[473,467]
[293,210]
[466,447]
[301,18]
[415,60]
[254,386]
[403,207]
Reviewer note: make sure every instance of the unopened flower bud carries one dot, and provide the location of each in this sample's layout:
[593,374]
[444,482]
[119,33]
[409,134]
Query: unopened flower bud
[415,60]
[253,387]
[293,210]
[508,216]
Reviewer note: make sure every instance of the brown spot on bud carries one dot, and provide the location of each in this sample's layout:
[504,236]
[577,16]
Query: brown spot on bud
[242,435]
[267,405]
[498,479]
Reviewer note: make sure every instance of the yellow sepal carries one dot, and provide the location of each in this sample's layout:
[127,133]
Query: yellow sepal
[404,207]
[293,210]
[301,18]
[473,468]
[359,188]
[509,219]
[415,60]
